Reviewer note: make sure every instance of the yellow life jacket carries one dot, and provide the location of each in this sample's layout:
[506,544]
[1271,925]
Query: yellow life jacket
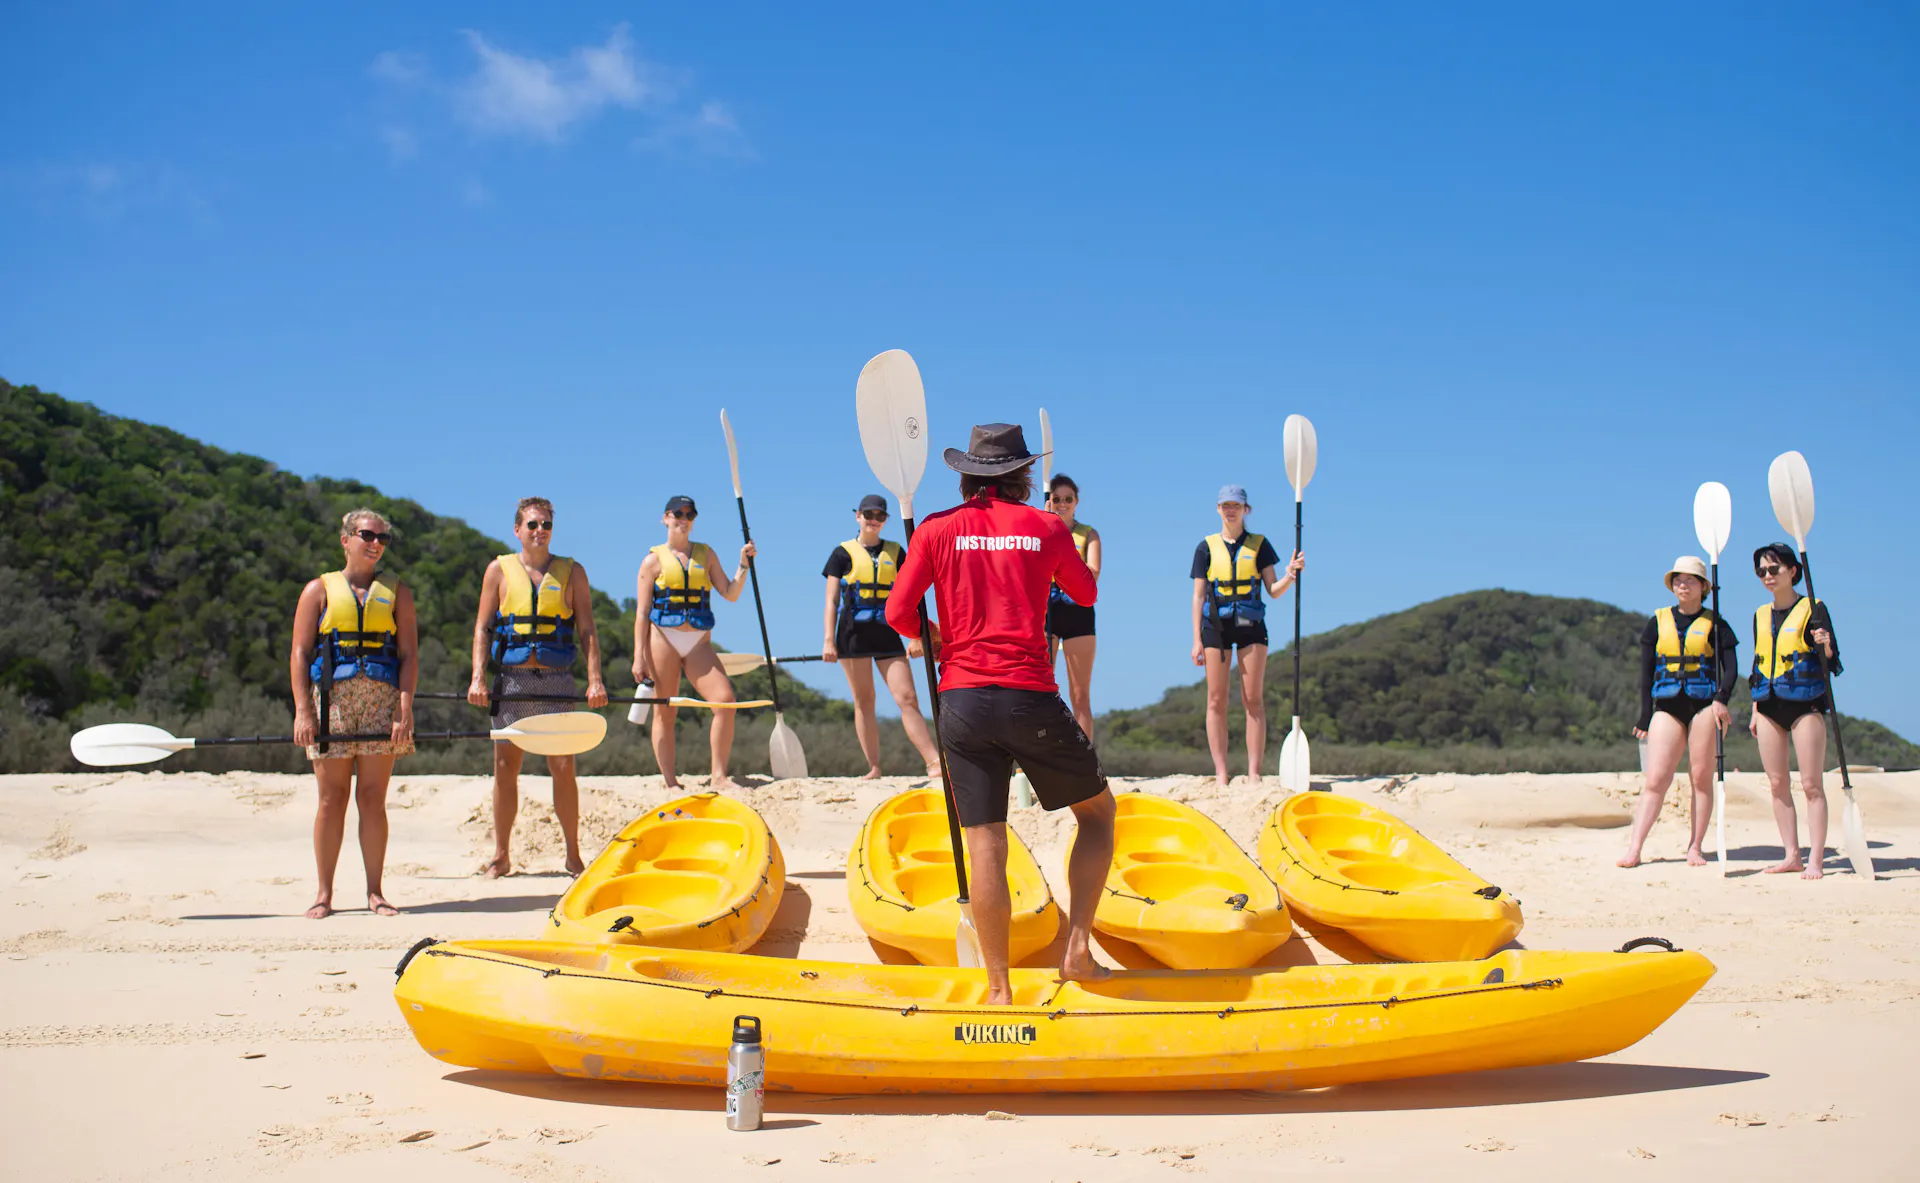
[1784,665]
[534,626]
[682,593]
[1233,585]
[1082,535]
[357,639]
[1683,666]
[864,589]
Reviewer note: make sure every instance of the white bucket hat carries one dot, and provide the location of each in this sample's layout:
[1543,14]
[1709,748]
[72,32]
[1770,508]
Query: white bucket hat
[1688,565]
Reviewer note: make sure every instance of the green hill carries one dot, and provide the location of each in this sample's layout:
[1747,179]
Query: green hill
[147,576]
[1481,682]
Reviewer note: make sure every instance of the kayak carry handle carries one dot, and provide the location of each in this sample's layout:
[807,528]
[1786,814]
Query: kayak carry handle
[1642,942]
[1491,892]
[1239,901]
[406,958]
[622,923]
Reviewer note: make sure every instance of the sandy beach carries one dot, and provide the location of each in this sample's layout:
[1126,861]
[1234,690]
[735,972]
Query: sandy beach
[169,1014]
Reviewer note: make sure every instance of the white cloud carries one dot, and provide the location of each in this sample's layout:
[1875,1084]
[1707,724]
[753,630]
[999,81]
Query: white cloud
[401,144]
[107,190]
[712,129]
[403,69]
[513,95]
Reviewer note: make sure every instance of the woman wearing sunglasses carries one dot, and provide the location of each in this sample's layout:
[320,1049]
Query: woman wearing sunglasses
[672,633]
[1687,670]
[1790,702]
[353,668]
[1070,625]
[860,574]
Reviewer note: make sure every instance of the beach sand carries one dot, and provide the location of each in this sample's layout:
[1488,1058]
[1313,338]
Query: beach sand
[167,1013]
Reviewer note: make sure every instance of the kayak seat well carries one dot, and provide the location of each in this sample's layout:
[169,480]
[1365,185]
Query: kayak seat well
[685,895]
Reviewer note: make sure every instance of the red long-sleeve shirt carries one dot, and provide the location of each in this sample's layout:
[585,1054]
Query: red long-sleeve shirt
[990,563]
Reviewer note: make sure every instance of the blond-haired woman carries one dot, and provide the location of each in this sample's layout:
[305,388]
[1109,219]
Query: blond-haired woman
[352,668]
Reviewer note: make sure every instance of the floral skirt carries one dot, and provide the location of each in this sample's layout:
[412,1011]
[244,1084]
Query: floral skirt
[360,706]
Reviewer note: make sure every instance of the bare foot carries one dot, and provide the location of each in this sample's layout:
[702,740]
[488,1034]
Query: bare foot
[497,867]
[872,773]
[1083,969]
[1223,781]
[1812,873]
[1786,868]
[1695,858]
[933,772]
[1000,997]
[1253,778]
[322,908]
[575,864]
[721,784]
[672,781]
[378,905]
[1630,859]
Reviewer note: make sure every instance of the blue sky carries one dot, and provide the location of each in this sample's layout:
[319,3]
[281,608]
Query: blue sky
[1534,271]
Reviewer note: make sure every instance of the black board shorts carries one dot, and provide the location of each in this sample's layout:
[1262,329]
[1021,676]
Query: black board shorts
[1239,636]
[1786,712]
[1681,707]
[986,730]
[871,639]
[1069,620]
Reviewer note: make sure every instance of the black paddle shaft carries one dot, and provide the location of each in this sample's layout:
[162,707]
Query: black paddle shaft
[1826,675]
[237,740]
[954,837]
[766,646]
[1296,610]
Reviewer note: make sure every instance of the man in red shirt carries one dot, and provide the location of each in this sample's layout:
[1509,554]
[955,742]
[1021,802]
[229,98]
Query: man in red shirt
[990,562]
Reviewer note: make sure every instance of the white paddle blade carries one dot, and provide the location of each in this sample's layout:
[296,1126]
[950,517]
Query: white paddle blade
[1046,452]
[1303,452]
[1713,518]
[1296,761]
[1790,485]
[783,752]
[567,733]
[892,405]
[115,745]
[1854,828]
[741,663]
[966,942]
[1720,821]
[733,452]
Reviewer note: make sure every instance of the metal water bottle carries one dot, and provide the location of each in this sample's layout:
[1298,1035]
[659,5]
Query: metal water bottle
[746,1075]
[640,712]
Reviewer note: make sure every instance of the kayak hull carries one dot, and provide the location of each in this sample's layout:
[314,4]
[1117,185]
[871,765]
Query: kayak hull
[901,885]
[665,1016]
[702,872]
[1347,865]
[1181,889]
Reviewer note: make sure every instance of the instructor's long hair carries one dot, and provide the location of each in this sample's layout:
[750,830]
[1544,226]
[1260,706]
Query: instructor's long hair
[1014,486]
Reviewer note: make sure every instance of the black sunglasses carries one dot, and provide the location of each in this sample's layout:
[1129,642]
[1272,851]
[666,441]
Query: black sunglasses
[873,515]
[1769,569]
[537,524]
[379,536]
[684,515]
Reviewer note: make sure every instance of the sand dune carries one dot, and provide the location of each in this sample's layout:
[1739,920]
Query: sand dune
[169,1014]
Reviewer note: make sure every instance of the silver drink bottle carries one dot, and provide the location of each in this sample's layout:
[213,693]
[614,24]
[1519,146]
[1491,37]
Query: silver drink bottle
[746,1075]
[640,712]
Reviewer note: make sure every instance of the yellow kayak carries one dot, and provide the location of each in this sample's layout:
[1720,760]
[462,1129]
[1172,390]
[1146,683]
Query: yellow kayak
[703,872]
[900,881]
[1347,865]
[1184,891]
[666,1015]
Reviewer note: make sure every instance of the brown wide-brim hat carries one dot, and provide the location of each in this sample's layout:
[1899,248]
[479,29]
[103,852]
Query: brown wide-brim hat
[1689,565]
[994,450]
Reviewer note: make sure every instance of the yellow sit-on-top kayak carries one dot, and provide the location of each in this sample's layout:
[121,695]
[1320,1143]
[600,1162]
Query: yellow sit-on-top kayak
[666,1015]
[1347,865]
[1184,891]
[703,872]
[901,883]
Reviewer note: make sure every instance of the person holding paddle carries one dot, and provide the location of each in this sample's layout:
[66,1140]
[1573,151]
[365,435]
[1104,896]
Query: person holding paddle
[860,574]
[353,666]
[1687,669]
[990,562]
[1791,701]
[1228,570]
[1069,625]
[672,633]
[535,615]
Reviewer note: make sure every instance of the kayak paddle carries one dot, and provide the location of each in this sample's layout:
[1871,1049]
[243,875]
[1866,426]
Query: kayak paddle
[740,663]
[1046,454]
[783,746]
[1302,449]
[114,744]
[891,403]
[750,704]
[1712,525]
[1790,485]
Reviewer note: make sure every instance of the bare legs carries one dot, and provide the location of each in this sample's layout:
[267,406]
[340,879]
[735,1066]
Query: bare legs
[506,807]
[702,668]
[1079,652]
[336,779]
[866,726]
[1086,871]
[1667,741]
[1253,678]
[1808,743]
[898,672]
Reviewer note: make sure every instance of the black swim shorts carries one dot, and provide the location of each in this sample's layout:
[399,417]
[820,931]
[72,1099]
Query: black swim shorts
[986,730]
[1068,621]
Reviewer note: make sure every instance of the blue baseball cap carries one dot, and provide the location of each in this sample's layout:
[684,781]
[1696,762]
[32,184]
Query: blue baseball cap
[1233,493]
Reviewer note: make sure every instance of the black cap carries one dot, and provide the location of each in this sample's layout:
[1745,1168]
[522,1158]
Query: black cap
[682,501]
[872,501]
